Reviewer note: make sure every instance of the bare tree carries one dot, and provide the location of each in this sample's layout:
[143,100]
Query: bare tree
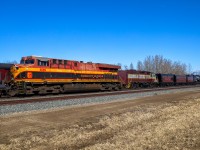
[140,66]
[189,69]
[158,64]
[147,63]
[119,64]
[166,66]
[131,66]
[125,67]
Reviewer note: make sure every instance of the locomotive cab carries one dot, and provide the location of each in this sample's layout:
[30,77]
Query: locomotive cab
[35,61]
[154,77]
[27,61]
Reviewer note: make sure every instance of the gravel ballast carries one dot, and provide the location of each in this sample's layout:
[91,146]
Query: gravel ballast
[8,109]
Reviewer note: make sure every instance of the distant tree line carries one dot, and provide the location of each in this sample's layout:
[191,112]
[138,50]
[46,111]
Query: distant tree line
[159,64]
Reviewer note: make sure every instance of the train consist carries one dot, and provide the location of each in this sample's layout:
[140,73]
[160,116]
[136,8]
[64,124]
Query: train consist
[41,75]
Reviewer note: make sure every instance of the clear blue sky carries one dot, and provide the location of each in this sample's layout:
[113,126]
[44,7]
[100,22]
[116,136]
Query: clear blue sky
[108,31]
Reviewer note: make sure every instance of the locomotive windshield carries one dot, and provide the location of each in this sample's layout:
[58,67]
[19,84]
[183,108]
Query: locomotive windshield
[153,75]
[27,61]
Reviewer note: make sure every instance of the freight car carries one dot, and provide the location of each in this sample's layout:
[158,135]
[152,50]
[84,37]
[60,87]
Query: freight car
[190,79]
[135,79]
[4,72]
[197,78]
[4,76]
[40,75]
[166,79]
[180,79]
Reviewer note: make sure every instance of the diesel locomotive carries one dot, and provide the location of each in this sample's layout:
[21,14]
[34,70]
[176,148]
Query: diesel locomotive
[40,75]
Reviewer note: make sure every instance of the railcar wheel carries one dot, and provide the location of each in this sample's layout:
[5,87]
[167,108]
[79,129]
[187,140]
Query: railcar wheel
[12,93]
[116,88]
[134,85]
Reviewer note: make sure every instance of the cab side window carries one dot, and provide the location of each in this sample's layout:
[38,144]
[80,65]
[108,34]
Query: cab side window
[43,63]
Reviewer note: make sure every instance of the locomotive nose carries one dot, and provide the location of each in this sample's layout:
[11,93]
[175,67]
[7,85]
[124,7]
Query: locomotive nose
[14,68]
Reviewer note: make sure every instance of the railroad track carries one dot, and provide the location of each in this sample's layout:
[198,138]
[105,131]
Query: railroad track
[4,102]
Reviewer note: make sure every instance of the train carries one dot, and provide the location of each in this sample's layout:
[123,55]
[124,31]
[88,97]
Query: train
[42,75]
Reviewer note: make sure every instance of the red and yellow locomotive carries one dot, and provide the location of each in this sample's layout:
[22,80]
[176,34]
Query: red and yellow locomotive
[40,75]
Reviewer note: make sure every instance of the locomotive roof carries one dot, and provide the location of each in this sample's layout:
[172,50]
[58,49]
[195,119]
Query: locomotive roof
[135,71]
[99,64]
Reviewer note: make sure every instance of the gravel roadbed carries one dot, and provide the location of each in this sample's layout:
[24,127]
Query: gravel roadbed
[81,101]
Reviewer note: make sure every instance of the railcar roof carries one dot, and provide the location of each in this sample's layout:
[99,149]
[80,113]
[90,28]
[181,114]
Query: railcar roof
[5,66]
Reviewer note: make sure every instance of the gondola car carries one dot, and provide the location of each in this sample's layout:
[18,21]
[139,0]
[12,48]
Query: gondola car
[180,79]
[166,79]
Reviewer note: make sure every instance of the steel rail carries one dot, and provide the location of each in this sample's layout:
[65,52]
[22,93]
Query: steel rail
[75,96]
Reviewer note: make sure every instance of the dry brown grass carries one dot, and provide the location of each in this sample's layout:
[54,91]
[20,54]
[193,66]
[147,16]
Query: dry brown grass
[174,125]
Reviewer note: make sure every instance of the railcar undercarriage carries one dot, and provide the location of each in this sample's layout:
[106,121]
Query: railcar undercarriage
[23,88]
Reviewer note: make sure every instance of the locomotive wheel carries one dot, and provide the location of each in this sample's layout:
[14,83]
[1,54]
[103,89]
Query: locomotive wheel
[12,93]
[134,85]
[116,88]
